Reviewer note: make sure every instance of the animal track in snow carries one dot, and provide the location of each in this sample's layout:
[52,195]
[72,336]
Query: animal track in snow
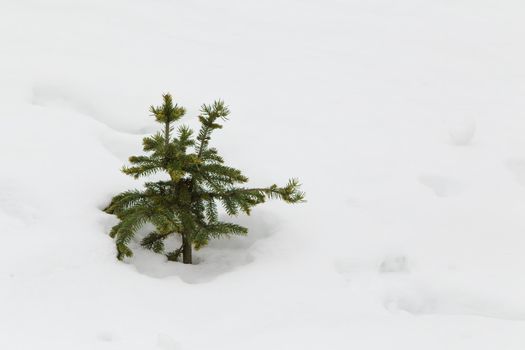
[393,264]
[441,186]
[401,290]
[420,301]
[390,264]
[105,336]
[462,131]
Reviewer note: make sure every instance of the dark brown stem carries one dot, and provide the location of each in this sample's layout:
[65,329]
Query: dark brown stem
[186,250]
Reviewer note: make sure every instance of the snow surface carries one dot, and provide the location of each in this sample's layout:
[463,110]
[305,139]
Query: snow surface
[405,120]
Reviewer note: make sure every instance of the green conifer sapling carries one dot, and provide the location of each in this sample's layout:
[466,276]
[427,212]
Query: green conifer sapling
[186,202]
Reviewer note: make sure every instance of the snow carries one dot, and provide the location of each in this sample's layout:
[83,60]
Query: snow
[403,119]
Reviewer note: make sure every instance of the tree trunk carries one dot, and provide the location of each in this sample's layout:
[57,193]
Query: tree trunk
[186,250]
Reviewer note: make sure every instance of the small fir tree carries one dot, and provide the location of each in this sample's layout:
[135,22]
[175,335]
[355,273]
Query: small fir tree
[186,202]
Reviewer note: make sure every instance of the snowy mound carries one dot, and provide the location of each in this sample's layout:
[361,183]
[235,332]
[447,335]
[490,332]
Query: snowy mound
[404,121]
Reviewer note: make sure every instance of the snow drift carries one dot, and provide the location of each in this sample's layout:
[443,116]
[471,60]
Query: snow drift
[404,120]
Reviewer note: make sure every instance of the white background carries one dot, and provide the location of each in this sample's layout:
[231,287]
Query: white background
[404,120]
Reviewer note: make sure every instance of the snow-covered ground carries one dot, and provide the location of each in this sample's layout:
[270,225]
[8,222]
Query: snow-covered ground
[405,120]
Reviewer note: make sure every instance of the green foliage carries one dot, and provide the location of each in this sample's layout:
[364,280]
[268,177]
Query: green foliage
[186,204]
